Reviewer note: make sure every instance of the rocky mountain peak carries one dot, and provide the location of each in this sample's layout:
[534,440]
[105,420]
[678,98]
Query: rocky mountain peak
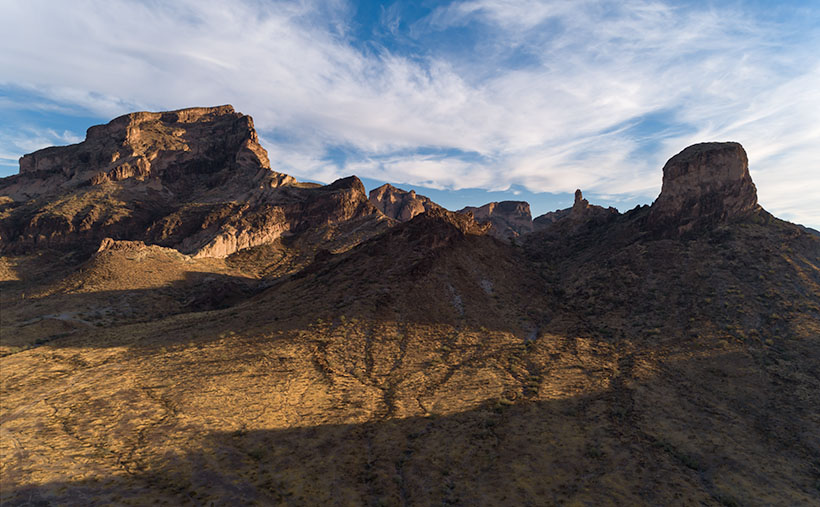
[509,219]
[577,217]
[580,202]
[196,180]
[175,150]
[704,184]
[400,204]
[439,226]
[351,183]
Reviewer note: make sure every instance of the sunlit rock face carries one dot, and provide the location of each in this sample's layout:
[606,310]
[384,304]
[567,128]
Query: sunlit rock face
[400,204]
[196,180]
[703,185]
[176,151]
[510,219]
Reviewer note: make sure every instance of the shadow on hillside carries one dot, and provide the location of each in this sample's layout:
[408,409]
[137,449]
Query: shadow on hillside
[56,318]
[665,287]
[656,442]
[332,288]
[529,454]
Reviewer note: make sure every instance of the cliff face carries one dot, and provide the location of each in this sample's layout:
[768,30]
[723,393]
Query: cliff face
[299,211]
[400,204]
[195,179]
[185,151]
[198,180]
[509,219]
[703,185]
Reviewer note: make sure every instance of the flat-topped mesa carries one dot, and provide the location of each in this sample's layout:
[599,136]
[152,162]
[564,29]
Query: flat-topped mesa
[703,185]
[195,180]
[509,219]
[200,146]
[400,204]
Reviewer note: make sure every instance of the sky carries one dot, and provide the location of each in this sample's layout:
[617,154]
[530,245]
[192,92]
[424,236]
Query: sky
[466,101]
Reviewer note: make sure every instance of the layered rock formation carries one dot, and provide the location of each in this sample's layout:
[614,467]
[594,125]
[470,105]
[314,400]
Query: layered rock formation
[291,211]
[509,219]
[703,185]
[438,227]
[185,151]
[196,180]
[400,204]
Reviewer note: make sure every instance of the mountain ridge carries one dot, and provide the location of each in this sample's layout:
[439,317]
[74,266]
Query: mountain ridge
[308,344]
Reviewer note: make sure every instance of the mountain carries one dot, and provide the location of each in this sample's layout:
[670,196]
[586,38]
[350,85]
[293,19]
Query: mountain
[581,213]
[510,219]
[196,180]
[400,204]
[704,184]
[666,355]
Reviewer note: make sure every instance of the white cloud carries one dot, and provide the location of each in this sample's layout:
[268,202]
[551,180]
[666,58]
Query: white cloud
[560,121]
[26,139]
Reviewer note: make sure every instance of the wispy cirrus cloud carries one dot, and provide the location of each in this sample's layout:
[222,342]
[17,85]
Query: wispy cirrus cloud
[545,95]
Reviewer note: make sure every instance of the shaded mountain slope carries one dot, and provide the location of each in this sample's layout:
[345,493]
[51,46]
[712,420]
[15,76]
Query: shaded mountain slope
[439,267]
[720,264]
[668,355]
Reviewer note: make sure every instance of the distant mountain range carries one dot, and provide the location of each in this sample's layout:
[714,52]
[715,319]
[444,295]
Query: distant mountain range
[183,324]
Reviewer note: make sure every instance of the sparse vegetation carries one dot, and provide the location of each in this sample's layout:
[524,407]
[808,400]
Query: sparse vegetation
[362,360]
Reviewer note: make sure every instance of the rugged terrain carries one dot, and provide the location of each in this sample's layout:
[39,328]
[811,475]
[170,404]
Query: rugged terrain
[218,332]
[509,219]
[195,180]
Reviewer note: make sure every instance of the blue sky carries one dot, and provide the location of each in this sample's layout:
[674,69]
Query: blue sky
[468,101]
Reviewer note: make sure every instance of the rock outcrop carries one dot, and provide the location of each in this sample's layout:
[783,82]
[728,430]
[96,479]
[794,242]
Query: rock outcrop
[439,227]
[184,151]
[196,180]
[301,210]
[509,219]
[581,214]
[703,185]
[400,204]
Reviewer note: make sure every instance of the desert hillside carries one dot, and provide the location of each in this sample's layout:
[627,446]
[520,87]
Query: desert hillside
[183,325]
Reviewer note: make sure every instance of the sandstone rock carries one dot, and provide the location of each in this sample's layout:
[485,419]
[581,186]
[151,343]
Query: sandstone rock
[509,219]
[703,185]
[135,250]
[400,204]
[111,244]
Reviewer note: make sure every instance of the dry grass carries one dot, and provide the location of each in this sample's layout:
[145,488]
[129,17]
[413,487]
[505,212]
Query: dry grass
[585,376]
